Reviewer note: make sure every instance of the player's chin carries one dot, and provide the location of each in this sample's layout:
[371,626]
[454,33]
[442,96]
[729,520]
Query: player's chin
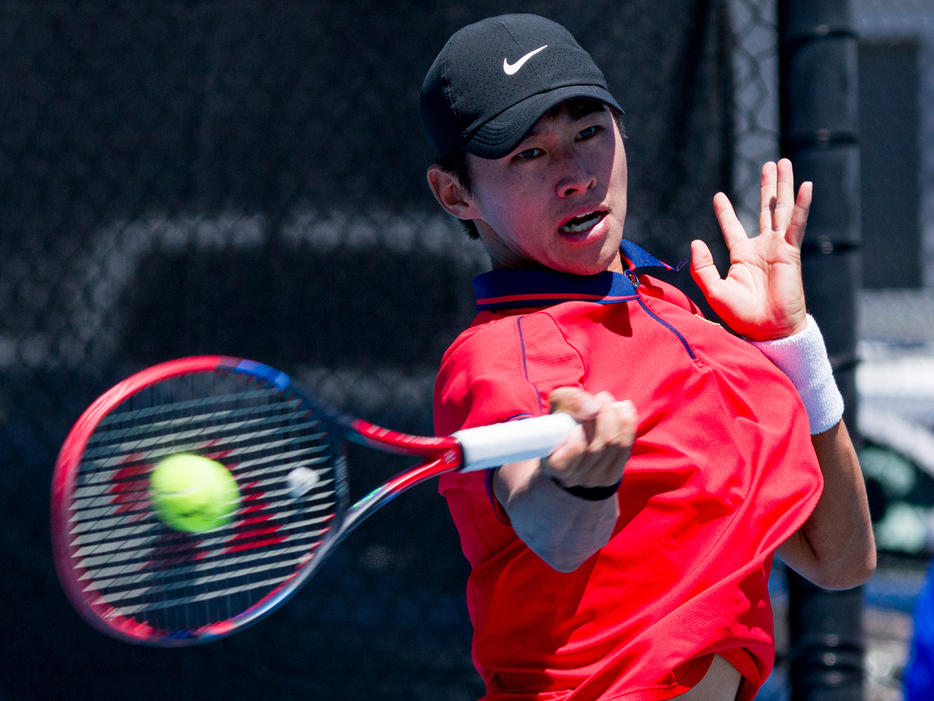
[591,252]
[590,261]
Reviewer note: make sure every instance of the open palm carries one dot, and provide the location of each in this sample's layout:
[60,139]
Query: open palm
[762,295]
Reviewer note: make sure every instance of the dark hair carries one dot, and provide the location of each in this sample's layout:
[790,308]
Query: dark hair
[457,163]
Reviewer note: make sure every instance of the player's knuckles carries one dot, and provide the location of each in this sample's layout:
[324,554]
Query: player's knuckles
[615,430]
[608,417]
[597,444]
[626,436]
[623,436]
[625,411]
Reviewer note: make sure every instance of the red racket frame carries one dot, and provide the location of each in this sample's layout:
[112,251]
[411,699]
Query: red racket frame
[440,455]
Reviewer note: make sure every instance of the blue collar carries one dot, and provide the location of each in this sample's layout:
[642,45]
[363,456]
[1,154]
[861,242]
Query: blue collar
[517,288]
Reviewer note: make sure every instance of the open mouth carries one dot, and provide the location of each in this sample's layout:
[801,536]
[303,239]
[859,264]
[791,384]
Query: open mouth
[581,223]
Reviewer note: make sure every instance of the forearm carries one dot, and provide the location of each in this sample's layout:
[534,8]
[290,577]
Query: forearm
[835,548]
[563,529]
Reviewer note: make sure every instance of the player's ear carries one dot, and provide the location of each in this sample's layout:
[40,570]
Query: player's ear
[450,193]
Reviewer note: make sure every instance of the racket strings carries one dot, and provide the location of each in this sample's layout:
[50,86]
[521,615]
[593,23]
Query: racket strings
[184,408]
[97,546]
[149,434]
[136,566]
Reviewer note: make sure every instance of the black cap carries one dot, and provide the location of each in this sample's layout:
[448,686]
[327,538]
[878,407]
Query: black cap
[494,80]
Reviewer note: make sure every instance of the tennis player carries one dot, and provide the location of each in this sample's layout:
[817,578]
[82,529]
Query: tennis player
[634,562]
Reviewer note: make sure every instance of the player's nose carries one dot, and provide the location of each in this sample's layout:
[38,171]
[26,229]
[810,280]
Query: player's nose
[574,175]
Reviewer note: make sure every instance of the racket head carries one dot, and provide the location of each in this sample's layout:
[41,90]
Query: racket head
[135,578]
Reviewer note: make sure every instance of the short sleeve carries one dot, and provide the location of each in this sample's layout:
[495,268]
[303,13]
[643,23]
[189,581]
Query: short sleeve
[504,370]
[495,372]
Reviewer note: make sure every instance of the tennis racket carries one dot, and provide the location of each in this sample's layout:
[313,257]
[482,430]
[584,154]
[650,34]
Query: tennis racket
[135,578]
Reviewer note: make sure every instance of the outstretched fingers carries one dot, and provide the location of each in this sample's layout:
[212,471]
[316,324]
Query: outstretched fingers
[784,195]
[781,212]
[733,231]
[799,217]
[768,197]
[704,269]
[761,295]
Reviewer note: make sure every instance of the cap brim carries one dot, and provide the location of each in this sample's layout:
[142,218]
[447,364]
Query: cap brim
[506,130]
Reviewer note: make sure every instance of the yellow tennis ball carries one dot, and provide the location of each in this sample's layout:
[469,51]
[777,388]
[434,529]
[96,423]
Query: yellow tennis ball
[192,493]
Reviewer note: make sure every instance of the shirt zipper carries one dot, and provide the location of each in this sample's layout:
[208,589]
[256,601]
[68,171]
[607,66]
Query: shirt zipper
[634,279]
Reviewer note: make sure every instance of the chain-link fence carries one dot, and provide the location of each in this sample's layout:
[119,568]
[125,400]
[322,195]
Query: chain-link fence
[247,178]
[895,377]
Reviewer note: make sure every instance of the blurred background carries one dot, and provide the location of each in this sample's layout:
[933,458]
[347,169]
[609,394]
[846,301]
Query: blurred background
[247,178]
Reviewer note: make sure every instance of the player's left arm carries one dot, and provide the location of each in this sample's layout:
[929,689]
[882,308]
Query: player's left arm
[762,298]
[835,548]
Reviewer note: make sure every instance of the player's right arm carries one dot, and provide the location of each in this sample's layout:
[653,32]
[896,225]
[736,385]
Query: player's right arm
[560,526]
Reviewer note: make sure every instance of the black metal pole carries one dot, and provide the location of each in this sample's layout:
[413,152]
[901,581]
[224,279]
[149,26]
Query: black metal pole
[819,133]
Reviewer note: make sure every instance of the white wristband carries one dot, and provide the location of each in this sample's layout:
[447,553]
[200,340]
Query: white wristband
[803,358]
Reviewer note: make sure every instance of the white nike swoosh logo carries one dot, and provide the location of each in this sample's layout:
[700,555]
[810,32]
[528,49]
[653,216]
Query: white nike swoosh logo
[513,68]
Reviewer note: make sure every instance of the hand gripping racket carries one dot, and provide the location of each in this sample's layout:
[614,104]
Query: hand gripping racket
[135,578]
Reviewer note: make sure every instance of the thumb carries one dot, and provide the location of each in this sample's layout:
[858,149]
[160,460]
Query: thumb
[703,269]
[575,401]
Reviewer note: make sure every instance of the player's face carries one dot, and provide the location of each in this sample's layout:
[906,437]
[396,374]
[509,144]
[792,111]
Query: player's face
[559,199]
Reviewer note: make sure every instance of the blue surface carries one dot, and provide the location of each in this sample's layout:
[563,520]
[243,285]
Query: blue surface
[894,590]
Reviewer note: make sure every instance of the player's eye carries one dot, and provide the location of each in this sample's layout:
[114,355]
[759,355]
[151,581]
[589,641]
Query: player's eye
[529,153]
[589,132]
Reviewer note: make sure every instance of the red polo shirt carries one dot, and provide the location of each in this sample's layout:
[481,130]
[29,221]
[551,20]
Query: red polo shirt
[722,472]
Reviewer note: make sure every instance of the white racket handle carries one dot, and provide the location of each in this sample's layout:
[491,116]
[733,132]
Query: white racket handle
[523,439]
